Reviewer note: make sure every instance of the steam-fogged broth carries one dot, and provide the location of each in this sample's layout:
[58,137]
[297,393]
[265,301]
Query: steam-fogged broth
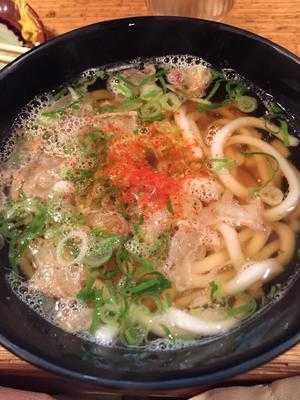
[156,206]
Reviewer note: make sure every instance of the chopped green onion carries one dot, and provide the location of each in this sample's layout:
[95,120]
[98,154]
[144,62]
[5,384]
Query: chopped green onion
[150,91]
[96,316]
[150,286]
[134,335]
[246,104]
[54,114]
[151,112]
[281,132]
[75,96]
[77,176]
[126,105]
[284,132]
[137,226]
[123,87]
[20,223]
[170,102]
[102,250]
[87,293]
[170,206]
[168,332]
[107,109]
[75,105]
[144,264]
[60,94]
[235,89]
[206,105]
[242,310]
[216,292]
[148,79]
[220,165]
[163,84]
[217,75]
[274,109]
[130,105]
[214,89]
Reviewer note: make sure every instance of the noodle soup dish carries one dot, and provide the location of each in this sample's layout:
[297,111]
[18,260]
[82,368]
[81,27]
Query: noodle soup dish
[150,200]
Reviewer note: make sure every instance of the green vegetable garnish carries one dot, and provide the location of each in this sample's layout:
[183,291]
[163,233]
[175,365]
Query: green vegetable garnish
[216,292]
[206,105]
[22,222]
[170,206]
[150,91]
[103,246]
[87,293]
[150,286]
[168,332]
[151,112]
[124,87]
[170,102]
[80,177]
[274,109]
[214,89]
[235,93]
[54,114]
[284,133]
[246,104]
[242,310]
[221,165]
[112,304]
[134,335]
[96,316]
[235,89]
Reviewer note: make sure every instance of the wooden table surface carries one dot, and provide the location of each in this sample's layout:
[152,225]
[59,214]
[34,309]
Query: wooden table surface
[278,20]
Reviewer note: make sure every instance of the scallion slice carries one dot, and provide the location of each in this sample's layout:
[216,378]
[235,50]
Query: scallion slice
[205,105]
[170,102]
[150,91]
[151,112]
[246,104]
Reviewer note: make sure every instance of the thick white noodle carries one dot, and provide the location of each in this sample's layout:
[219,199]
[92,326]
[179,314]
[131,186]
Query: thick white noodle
[251,273]
[189,130]
[292,199]
[232,244]
[189,323]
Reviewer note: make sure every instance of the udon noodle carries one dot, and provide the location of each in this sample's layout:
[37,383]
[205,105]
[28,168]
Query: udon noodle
[151,200]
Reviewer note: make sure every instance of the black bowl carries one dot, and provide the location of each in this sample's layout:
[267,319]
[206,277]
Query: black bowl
[256,341]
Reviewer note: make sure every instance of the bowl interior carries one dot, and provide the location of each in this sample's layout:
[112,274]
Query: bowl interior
[256,340]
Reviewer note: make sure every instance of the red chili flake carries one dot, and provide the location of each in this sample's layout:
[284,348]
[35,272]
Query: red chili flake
[72,161]
[128,168]
[150,186]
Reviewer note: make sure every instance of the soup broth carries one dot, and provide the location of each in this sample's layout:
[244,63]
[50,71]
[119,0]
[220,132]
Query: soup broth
[150,200]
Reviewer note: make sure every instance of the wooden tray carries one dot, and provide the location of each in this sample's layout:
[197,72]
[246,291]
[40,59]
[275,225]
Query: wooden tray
[20,374]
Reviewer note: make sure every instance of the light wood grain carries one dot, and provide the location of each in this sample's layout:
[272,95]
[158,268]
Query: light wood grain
[278,20]
[287,364]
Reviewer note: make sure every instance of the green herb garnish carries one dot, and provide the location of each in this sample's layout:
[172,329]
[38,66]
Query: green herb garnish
[54,114]
[170,207]
[20,223]
[216,292]
[221,165]
[80,177]
[242,310]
